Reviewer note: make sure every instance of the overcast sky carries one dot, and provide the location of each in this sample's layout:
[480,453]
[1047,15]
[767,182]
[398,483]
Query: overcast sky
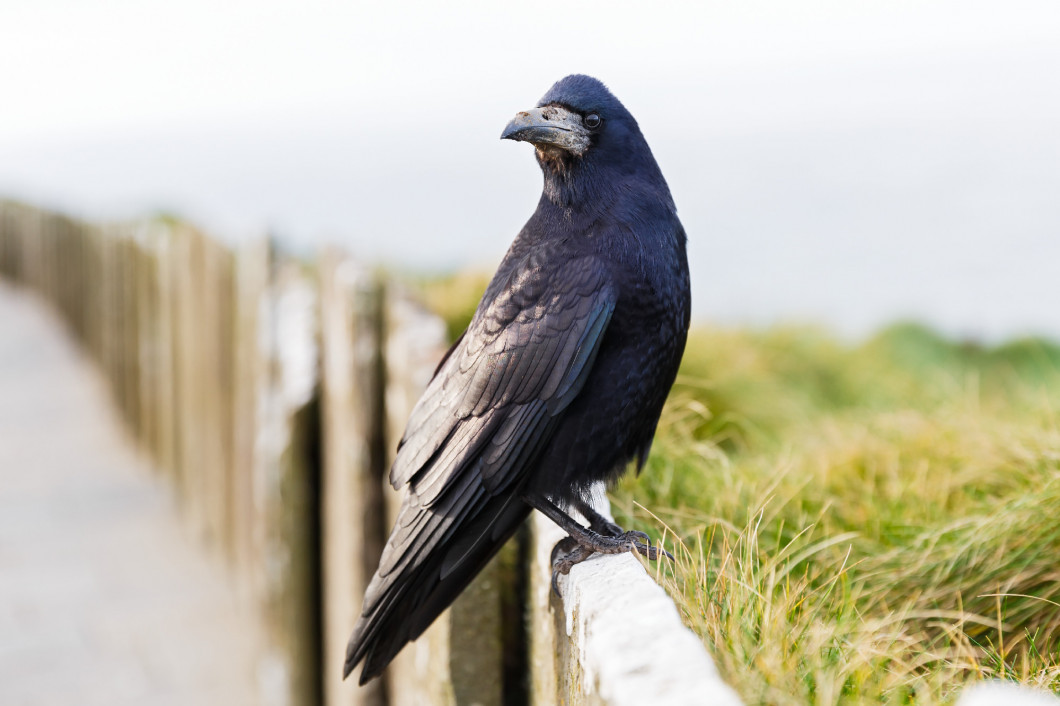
[842,162]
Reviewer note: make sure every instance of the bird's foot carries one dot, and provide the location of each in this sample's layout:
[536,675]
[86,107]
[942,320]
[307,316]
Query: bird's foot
[603,526]
[632,541]
[574,550]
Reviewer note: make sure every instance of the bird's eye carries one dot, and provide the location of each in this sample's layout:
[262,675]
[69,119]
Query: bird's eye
[592,121]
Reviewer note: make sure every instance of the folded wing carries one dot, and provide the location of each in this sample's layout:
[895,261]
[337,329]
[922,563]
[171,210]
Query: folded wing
[486,414]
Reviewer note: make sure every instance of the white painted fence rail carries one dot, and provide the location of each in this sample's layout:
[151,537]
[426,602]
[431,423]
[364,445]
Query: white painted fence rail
[614,637]
[997,693]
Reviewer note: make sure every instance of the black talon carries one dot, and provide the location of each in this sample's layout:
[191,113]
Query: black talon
[635,535]
[649,550]
[563,547]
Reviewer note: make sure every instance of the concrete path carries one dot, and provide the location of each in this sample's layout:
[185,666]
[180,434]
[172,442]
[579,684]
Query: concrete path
[105,597]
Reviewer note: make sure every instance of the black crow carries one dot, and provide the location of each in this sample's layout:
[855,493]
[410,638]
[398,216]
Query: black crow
[557,383]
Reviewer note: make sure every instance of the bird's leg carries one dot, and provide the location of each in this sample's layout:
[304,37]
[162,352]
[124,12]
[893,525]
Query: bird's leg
[583,543]
[601,525]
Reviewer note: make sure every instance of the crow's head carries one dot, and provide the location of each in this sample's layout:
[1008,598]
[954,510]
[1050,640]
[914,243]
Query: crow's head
[584,137]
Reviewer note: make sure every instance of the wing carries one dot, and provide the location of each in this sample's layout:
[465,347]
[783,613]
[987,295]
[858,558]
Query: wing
[490,407]
[526,352]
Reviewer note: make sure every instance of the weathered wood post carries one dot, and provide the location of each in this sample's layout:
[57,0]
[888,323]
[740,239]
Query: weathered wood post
[185,271]
[160,248]
[9,254]
[148,324]
[94,295]
[352,382]
[286,479]
[415,342]
[129,362]
[250,373]
[215,321]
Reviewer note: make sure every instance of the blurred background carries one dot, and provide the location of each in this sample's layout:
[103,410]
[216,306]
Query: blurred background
[843,163]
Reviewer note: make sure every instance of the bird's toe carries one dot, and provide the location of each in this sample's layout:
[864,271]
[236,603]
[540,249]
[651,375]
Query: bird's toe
[651,552]
[563,547]
[635,536]
[563,562]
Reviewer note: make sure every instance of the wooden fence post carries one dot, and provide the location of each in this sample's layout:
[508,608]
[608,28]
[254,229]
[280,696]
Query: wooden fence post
[215,318]
[130,334]
[160,248]
[148,353]
[351,393]
[414,344]
[250,355]
[9,234]
[287,477]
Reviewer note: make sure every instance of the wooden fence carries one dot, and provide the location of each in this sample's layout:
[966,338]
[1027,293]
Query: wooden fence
[270,393]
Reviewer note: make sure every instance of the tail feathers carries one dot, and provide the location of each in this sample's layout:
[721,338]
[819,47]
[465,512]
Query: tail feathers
[417,596]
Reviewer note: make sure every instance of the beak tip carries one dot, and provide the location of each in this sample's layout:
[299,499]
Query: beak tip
[511,130]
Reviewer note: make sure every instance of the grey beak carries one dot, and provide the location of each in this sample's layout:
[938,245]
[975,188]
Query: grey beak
[551,125]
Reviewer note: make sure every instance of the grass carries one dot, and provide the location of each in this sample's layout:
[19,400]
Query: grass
[861,525]
[869,524]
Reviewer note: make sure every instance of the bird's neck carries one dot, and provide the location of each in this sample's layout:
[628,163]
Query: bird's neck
[576,183]
[576,186]
[591,194]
